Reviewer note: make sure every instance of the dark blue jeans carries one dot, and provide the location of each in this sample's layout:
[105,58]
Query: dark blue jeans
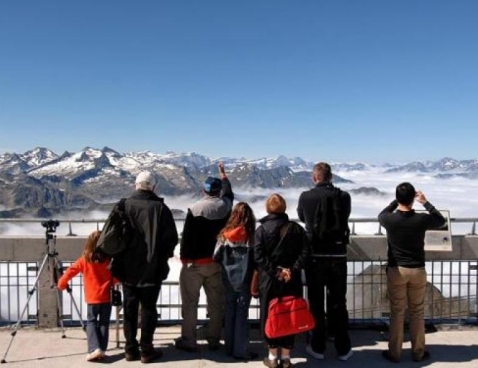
[331,274]
[236,328]
[97,326]
[148,297]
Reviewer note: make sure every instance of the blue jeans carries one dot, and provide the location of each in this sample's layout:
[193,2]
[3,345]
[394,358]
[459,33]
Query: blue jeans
[331,274]
[236,328]
[97,326]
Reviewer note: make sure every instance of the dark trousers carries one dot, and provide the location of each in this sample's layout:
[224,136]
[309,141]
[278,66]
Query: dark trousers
[236,327]
[330,274]
[148,297]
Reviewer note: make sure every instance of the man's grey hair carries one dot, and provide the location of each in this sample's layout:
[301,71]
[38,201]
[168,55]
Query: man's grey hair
[144,185]
[145,181]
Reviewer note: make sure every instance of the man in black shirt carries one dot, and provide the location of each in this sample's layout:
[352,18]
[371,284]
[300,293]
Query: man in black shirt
[328,266]
[406,275]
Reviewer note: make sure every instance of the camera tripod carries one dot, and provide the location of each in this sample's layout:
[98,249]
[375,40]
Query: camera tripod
[53,265]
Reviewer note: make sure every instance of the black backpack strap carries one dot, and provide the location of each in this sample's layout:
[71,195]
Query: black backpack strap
[320,208]
[121,204]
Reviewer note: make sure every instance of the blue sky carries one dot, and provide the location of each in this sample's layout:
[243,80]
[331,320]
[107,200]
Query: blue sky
[331,80]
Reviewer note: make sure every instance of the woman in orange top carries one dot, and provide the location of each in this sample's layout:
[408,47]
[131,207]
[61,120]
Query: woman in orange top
[97,281]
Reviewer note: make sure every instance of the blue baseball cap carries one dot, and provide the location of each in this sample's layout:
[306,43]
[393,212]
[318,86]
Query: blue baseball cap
[212,185]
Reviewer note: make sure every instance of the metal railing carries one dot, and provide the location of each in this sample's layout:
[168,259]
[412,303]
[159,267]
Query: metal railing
[353,222]
[451,292]
[450,296]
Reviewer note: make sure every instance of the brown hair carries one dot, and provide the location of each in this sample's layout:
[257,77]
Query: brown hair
[275,204]
[241,215]
[322,172]
[90,245]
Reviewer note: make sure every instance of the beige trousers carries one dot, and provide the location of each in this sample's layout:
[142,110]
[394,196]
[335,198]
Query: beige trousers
[406,287]
[191,279]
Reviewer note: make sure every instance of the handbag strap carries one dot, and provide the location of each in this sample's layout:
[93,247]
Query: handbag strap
[284,231]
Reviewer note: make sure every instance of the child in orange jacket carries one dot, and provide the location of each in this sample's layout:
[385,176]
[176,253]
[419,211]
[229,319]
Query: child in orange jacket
[97,281]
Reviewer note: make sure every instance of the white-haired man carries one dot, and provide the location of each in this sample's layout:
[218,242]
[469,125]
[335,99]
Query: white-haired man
[144,265]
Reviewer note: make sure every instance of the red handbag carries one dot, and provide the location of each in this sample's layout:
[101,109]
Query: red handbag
[288,315]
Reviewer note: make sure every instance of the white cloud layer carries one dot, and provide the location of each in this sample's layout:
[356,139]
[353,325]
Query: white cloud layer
[458,195]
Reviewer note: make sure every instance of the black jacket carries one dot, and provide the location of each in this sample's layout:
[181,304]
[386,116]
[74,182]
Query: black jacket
[145,261]
[204,221]
[294,254]
[308,201]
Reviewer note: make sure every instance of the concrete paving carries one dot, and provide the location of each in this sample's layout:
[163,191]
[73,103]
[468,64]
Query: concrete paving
[46,348]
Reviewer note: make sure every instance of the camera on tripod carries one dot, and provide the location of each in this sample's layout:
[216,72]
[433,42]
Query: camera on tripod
[50,225]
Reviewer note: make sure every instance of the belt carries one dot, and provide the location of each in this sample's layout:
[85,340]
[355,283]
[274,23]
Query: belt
[199,261]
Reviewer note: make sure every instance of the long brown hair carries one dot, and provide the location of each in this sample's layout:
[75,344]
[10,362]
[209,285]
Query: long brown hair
[241,215]
[90,245]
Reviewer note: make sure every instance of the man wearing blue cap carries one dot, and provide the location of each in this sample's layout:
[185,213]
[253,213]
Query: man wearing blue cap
[204,221]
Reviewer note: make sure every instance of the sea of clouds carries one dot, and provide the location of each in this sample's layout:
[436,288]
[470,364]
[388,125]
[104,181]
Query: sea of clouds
[458,195]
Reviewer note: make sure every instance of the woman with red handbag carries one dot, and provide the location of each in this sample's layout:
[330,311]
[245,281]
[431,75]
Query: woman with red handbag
[281,249]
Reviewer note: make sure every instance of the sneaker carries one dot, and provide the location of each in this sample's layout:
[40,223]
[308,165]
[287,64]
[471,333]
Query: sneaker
[286,363]
[346,356]
[95,355]
[270,363]
[214,344]
[425,356]
[131,356]
[181,344]
[386,355]
[149,356]
[103,354]
[313,353]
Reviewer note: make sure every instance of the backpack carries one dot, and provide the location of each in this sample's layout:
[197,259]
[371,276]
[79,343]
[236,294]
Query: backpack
[117,231]
[236,263]
[330,221]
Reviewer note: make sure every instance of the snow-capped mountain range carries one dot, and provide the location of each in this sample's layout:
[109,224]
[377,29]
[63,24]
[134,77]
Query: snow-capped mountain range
[42,182]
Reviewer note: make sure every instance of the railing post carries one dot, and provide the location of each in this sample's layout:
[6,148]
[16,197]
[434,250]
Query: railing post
[474,268]
[473,229]
[70,232]
[353,229]
[47,297]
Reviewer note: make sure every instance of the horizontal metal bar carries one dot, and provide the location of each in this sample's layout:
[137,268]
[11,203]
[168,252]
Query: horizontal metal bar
[93,221]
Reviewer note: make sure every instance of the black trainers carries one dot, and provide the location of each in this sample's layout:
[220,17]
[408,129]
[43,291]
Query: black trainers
[131,356]
[213,344]
[425,356]
[181,344]
[386,355]
[286,363]
[270,363]
[150,356]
